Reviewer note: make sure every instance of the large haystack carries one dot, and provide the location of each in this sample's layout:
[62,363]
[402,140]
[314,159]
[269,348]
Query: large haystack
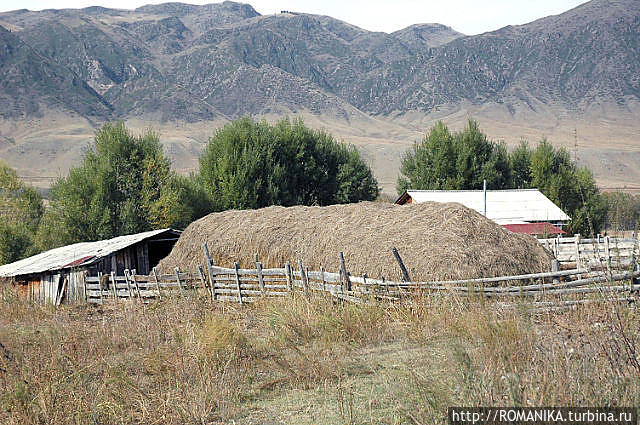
[435,240]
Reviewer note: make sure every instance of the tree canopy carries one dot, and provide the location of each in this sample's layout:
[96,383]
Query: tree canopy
[124,185]
[572,188]
[455,161]
[21,208]
[249,164]
[461,160]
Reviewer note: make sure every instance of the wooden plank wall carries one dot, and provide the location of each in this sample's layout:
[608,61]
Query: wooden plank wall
[134,257]
[602,251]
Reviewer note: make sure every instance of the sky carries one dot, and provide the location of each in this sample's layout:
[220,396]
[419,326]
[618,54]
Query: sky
[467,16]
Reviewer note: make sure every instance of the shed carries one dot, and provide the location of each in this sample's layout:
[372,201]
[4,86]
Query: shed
[511,206]
[58,275]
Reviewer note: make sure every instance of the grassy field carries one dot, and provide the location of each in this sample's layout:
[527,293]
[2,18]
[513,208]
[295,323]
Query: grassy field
[293,361]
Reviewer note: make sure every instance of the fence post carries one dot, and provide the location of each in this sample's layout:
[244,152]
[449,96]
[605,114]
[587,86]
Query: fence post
[260,277]
[99,288]
[287,272]
[555,266]
[212,280]
[303,278]
[607,252]
[126,278]
[155,278]
[635,250]
[577,244]
[202,279]
[235,265]
[177,272]
[324,282]
[135,283]
[84,285]
[346,284]
[115,289]
[636,280]
[405,274]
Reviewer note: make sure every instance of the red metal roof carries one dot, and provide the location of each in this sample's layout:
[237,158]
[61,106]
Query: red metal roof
[535,228]
[79,261]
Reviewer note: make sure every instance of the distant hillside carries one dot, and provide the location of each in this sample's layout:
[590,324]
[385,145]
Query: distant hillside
[185,69]
[28,80]
[423,36]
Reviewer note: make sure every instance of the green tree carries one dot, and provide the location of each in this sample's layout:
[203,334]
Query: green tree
[520,159]
[478,159]
[572,188]
[250,164]
[124,185]
[462,160]
[431,164]
[21,209]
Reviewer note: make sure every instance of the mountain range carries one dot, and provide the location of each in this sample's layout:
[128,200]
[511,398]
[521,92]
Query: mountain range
[185,70]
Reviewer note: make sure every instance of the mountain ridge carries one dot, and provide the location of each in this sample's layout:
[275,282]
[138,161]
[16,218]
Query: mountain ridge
[175,64]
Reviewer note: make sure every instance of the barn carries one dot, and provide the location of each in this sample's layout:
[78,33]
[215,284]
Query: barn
[519,210]
[57,276]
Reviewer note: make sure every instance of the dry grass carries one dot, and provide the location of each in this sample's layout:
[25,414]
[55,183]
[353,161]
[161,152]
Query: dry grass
[435,240]
[186,361]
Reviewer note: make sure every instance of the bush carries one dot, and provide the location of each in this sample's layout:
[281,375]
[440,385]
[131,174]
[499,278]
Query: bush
[623,211]
[573,189]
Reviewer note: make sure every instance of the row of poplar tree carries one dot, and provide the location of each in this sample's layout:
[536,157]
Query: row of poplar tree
[446,160]
[125,183]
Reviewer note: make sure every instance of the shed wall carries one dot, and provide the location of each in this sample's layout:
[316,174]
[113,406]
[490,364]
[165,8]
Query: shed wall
[67,286]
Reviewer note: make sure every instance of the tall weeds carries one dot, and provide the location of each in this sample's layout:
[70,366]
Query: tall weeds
[188,361]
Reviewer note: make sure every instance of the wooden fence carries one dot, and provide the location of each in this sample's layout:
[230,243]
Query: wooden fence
[244,285]
[596,253]
[141,287]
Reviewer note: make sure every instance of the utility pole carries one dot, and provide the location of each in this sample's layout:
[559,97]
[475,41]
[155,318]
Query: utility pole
[575,145]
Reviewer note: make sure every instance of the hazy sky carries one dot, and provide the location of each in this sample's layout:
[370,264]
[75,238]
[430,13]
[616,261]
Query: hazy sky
[467,16]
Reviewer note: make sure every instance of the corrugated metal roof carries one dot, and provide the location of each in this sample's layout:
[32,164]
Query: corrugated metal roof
[82,253]
[503,206]
[534,228]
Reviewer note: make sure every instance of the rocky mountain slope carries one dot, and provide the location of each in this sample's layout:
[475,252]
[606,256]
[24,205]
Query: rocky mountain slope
[185,69]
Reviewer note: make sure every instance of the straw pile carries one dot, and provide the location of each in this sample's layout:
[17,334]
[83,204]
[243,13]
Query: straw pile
[435,240]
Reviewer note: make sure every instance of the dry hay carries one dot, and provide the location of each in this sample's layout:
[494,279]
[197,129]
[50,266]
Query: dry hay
[435,240]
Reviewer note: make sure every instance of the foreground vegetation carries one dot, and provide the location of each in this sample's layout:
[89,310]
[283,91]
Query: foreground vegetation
[186,361]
